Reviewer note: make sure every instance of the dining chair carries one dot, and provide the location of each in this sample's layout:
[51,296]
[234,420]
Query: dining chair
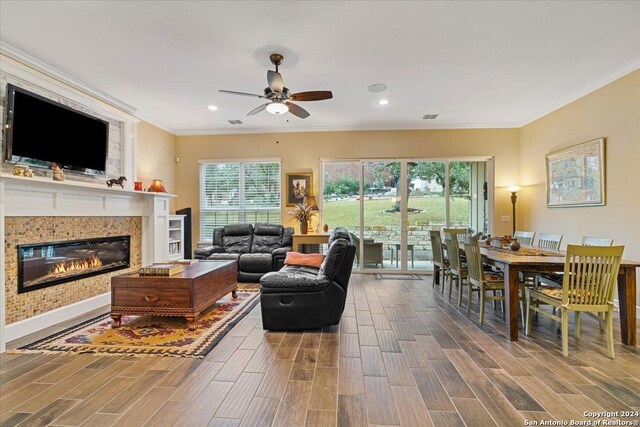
[596,241]
[545,241]
[555,279]
[479,280]
[524,237]
[439,260]
[456,230]
[457,271]
[549,241]
[590,275]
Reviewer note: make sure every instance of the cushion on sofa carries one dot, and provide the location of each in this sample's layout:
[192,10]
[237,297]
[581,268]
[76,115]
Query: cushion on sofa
[339,233]
[218,234]
[223,256]
[335,257]
[238,230]
[237,238]
[287,236]
[237,244]
[309,260]
[292,278]
[255,263]
[266,238]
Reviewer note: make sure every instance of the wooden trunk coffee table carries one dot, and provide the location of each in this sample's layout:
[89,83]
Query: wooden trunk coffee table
[186,294]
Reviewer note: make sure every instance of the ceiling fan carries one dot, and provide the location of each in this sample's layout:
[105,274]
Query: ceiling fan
[279,96]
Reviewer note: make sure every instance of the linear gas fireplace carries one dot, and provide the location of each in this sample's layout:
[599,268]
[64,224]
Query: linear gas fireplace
[47,264]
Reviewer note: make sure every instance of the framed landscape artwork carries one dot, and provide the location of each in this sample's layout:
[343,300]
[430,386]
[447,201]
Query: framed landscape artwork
[299,186]
[576,175]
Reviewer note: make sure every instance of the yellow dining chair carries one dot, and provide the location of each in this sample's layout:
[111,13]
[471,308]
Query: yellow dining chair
[479,280]
[524,237]
[555,279]
[457,271]
[439,260]
[590,275]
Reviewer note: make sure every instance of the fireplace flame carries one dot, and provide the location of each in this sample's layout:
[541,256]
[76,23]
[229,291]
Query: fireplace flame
[76,265]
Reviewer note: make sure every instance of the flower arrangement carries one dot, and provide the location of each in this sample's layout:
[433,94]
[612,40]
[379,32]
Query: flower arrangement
[303,214]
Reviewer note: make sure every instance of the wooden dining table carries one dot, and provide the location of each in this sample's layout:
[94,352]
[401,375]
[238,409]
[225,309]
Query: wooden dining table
[532,259]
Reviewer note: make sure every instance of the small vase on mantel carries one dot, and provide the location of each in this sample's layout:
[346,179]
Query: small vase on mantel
[514,245]
[304,227]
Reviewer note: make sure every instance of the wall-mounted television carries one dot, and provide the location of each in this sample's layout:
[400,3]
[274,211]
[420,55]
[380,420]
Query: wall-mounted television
[41,131]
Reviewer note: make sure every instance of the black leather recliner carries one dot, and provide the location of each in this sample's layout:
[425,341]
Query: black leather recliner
[298,297]
[257,250]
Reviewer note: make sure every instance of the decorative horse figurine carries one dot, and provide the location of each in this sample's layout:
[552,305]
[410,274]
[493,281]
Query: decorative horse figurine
[118,181]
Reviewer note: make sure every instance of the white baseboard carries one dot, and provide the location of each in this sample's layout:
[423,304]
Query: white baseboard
[51,318]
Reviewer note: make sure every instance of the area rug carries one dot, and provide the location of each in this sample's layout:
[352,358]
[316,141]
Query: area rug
[151,335]
[379,276]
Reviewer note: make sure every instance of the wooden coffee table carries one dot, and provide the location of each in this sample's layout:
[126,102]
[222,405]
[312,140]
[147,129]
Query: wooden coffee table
[186,294]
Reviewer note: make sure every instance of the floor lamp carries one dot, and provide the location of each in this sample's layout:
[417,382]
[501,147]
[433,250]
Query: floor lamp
[514,198]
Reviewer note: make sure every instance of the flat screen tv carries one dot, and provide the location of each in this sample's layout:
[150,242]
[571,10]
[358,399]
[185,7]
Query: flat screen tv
[41,132]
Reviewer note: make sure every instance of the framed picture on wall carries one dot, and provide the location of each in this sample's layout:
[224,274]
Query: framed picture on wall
[576,175]
[299,186]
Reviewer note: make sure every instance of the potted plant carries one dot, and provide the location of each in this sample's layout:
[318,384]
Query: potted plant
[303,214]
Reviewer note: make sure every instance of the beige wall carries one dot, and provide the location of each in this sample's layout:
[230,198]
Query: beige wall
[612,112]
[156,153]
[301,152]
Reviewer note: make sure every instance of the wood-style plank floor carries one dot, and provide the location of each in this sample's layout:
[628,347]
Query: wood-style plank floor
[403,355]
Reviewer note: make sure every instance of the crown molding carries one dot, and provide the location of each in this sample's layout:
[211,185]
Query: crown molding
[590,88]
[444,126]
[37,65]
[142,116]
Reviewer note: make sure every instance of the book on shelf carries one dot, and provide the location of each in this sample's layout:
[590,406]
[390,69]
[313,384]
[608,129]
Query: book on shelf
[161,270]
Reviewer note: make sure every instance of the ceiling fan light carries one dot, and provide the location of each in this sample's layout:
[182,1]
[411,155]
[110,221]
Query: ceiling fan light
[277,108]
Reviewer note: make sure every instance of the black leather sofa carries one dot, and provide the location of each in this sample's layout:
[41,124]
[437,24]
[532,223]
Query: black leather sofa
[258,249]
[298,297]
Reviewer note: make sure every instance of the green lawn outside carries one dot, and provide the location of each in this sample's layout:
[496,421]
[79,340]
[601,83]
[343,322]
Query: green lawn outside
[346,212]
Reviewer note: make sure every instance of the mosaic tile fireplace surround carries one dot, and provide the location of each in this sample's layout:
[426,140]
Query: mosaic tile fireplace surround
[23,231]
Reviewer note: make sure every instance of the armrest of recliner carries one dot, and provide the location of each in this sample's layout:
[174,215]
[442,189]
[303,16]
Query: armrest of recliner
[281,251]
[203,253]
[279,254]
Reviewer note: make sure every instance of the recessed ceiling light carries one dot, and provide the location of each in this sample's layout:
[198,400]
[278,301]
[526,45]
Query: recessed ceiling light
[212,108]
[378,87]
[383,102]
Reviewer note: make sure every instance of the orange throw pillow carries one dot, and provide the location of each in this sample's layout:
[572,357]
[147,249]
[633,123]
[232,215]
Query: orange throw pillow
[309,260]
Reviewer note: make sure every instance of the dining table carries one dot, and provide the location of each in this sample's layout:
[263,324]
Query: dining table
[533,259]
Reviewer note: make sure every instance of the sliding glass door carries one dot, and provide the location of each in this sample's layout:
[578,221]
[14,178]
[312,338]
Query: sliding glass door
[382,215]
[390,206]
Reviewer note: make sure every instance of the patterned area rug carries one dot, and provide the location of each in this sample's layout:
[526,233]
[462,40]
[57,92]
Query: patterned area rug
[151,335]
[379,276]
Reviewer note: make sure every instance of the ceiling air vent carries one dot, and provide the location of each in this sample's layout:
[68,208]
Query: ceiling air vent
[235,122]
[430,116]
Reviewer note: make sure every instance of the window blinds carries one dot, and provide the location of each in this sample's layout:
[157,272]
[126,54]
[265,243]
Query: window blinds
[238,192]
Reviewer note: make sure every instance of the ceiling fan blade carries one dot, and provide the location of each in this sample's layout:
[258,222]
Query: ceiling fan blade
[317,95]
[233,92]
[297,110]
[258,109]
[275,81]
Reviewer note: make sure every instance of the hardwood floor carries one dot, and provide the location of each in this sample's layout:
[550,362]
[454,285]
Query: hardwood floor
[403,355]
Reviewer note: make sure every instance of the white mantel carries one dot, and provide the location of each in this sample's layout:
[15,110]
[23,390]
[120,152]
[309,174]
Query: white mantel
[38,196]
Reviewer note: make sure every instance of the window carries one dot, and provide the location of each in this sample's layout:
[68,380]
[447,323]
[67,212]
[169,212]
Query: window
[238,192]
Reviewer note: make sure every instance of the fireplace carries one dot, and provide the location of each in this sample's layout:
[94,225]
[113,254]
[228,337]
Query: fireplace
[46,264]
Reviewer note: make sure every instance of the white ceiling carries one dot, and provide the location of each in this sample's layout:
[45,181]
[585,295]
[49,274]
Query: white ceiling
[477,64]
